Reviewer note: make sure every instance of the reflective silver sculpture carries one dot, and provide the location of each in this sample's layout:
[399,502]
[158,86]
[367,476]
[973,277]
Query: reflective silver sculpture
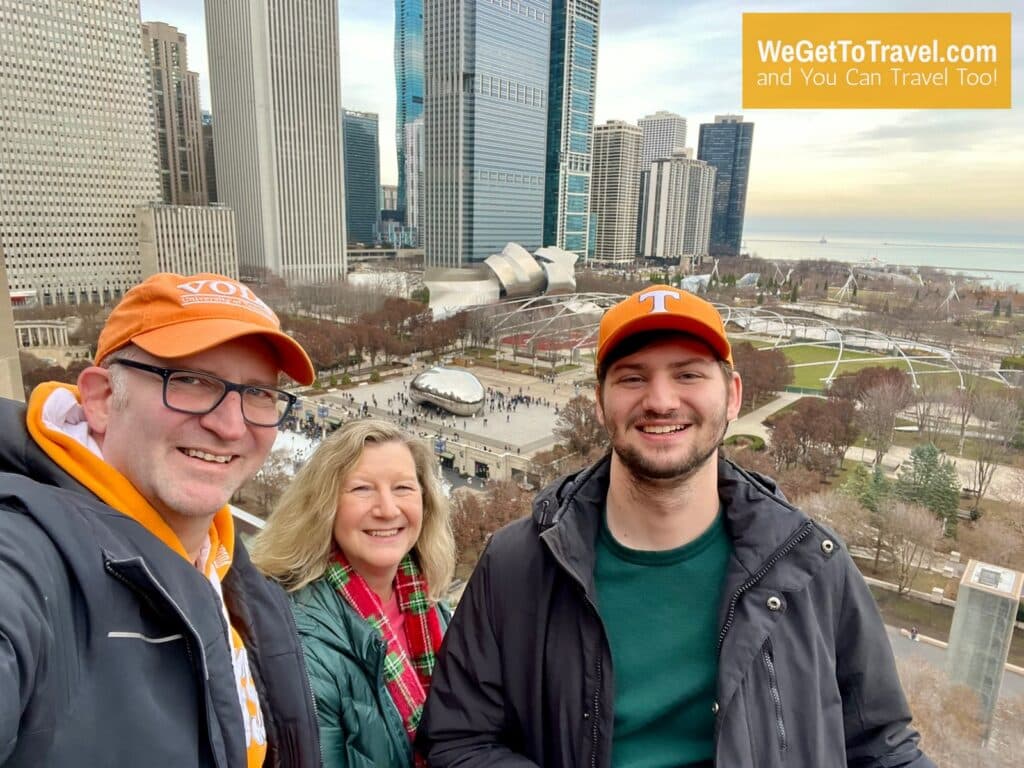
[456,390]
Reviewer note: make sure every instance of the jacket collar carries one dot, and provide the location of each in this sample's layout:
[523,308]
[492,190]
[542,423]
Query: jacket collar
[758,518]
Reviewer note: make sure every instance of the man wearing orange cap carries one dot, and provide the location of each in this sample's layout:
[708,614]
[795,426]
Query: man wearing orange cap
[133,628]
[665,608]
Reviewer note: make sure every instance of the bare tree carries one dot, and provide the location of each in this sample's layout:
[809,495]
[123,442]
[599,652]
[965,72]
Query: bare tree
[996,418]
[913,533]
[843,514]
[764,371]
[993,540]
[578,428]
[946,715]
[880,405]
[475,515]
[262,491]
[933,407]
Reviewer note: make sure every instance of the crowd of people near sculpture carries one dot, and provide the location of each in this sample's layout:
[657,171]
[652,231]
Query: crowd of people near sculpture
[662,607]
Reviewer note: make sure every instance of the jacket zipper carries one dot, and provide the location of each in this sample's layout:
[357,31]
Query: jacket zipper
[108,566]
[773,687]
[312,698]
[600,668]
[802,533]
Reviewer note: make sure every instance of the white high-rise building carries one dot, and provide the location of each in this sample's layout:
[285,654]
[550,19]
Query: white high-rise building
[10,364]
[76,147]
[676,217]
[189,238]
[414,178]
[615,184]
[276,97]
[664,134]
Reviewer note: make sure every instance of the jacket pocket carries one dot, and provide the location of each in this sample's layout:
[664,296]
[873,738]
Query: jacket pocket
[768,659]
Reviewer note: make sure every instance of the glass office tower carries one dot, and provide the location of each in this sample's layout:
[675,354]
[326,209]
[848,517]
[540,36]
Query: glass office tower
[572,83]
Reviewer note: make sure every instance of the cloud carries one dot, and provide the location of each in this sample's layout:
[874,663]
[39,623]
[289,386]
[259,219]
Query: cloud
[685,57]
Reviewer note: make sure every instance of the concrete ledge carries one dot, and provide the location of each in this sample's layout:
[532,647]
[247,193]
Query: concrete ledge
[940,644]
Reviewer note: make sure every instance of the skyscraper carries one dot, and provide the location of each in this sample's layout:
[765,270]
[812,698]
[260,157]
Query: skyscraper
[274,85]
[76,147]
[362,176]
[616,184]
[664,134]
[408,83]
[211,173]
[414,182]
[176,113]
[726,144]
[188,238]
[676,214]
[11,385]
[485,110]
[571,84]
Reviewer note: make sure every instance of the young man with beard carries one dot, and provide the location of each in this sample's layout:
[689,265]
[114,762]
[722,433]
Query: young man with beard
[134,631]
[664,607]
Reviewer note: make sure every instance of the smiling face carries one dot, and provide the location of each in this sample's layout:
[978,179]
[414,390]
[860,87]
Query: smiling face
[380,513]
[186,466]
[666,408]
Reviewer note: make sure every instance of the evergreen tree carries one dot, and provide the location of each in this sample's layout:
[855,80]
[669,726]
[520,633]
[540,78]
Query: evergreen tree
[1009,308]
[868,486]
[995,309]
[930,480]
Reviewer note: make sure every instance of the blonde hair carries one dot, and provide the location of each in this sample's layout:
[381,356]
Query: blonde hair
[295,546]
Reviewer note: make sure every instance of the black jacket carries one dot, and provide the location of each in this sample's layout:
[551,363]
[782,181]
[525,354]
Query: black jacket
[806,674]
[84,593]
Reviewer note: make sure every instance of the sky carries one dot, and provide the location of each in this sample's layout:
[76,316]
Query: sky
[954,173]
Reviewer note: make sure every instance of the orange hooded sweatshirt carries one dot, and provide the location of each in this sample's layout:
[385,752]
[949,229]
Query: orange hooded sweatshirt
[57,424]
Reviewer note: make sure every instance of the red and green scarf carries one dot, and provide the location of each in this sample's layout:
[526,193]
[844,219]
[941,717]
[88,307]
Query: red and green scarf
[407,679]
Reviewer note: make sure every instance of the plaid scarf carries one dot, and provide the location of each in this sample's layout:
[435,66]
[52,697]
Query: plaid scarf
[407,680]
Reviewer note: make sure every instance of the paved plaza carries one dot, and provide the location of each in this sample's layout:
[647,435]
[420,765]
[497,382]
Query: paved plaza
[519,415]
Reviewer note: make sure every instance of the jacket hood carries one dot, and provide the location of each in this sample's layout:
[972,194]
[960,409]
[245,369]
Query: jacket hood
[20,455]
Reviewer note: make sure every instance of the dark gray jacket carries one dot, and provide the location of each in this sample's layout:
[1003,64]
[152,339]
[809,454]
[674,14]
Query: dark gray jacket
[806,675]
[112,647]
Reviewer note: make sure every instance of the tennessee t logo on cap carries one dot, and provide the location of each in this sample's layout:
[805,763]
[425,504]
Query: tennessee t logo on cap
[663,308]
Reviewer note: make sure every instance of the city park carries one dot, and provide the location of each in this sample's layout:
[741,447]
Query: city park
[888,405]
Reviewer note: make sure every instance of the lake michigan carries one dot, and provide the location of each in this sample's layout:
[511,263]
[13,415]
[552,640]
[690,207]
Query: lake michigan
[998,262]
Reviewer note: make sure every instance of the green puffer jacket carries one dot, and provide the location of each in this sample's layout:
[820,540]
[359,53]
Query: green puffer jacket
[359,724]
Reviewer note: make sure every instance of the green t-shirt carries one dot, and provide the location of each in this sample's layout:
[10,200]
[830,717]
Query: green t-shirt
[660,610]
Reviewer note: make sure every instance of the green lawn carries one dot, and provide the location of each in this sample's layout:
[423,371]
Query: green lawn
[811,363]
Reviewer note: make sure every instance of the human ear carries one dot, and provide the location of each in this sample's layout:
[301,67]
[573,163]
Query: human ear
[735,385]
[599,409]
[96,396]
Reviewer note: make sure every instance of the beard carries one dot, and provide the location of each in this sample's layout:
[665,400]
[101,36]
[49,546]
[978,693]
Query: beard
[646,468]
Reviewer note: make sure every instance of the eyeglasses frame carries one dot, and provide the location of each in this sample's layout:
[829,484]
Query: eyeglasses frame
[229,387]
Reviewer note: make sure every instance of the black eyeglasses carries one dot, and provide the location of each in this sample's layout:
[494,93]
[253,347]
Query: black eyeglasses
[199,393]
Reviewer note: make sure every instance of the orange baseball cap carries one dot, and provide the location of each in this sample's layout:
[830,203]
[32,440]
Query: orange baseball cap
[662,307]
[171,315]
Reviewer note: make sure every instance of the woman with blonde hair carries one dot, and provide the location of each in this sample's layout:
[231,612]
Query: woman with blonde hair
[362,542]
